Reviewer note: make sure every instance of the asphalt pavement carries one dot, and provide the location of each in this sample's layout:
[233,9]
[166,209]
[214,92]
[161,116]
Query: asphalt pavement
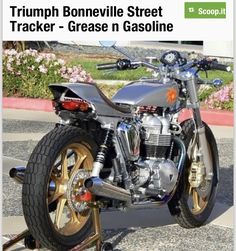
[139,230]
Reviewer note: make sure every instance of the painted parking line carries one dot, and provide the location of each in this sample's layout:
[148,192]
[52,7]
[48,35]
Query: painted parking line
[8,163]
[5,239]
[222,215]
[22,136]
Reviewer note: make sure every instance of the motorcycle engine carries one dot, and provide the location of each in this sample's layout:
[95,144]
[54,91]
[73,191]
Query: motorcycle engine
[156,136]
[152,170]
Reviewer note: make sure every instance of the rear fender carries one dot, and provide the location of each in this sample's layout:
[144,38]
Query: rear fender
[87,92]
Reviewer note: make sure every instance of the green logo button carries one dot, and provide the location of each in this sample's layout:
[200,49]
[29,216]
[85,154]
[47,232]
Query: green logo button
[205,9]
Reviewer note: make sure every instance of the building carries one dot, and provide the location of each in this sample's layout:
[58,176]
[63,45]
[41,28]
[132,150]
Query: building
[209,48]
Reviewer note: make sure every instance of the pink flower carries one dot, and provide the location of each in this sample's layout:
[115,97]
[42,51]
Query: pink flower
[10,52]
[43,69]
[221,97]
[10,59]
[39,59]
[61,61]
[69,70]
[9,67]
[72,80]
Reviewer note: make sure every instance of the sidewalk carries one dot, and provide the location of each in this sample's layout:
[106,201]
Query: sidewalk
[212,117]
[19,114]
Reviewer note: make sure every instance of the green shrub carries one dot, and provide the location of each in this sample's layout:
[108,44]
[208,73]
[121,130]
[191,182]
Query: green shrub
[28,73]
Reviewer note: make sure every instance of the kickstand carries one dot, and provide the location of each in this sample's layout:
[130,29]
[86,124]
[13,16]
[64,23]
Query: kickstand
[15,239]
[29,241]
[96,237]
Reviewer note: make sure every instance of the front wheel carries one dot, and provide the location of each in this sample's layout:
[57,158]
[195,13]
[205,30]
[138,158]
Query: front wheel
[64,156]
[191,206]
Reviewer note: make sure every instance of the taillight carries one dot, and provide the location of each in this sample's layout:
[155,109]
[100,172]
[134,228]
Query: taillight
[75,104]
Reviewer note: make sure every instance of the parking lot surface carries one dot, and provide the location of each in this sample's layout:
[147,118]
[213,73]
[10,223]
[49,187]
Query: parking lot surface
[146,229]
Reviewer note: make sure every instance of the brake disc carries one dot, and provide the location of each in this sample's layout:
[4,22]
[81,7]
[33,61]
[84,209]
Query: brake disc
[76,192]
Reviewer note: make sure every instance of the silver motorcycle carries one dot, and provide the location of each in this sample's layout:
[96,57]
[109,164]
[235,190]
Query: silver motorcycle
[127,152]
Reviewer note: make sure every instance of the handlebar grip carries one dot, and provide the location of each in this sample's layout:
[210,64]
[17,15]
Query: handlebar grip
[220,67]
[106,66]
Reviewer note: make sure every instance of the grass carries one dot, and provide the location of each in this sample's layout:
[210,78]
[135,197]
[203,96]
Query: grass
[89,63]
[110,90]
[90,66]
[225,76]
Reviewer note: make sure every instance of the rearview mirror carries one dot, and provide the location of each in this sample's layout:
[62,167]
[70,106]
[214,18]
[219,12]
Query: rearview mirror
[217,82]
[107,43]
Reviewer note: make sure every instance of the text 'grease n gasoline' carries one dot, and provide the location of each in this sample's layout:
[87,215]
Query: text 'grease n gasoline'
[72,19]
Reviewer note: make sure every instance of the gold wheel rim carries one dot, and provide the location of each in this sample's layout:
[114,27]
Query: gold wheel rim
[198,203]
[65,219]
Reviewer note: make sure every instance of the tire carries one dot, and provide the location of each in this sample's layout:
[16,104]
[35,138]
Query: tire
[189,215]
[38,198]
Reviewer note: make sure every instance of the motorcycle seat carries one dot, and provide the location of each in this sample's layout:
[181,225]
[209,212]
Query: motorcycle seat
[92,93]
[110,103]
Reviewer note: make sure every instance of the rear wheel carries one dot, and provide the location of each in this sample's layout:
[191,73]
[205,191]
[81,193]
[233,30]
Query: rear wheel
[191,206]
[63,156]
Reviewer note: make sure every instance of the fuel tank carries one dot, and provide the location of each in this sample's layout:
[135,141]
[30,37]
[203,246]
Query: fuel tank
[148,93]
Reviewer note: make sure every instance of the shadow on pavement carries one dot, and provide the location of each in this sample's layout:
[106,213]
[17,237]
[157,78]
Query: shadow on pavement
[225,188]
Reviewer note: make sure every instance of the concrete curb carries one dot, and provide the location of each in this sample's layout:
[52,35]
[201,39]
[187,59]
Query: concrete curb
[212,117]
[28,104]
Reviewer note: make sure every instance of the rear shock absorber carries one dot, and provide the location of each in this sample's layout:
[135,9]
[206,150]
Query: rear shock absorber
[102,153]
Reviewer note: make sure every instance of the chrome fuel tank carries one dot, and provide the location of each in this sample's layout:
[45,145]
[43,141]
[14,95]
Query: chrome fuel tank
[148,93]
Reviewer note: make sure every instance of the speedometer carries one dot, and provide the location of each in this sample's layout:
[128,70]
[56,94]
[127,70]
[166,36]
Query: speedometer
[171,58]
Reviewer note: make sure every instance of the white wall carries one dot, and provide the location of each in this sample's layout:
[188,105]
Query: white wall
[218,49]
[210,48]
[94,43]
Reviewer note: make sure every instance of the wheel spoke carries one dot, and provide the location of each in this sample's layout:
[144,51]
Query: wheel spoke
[74,216]
[195,200]
[54,197]
[64,166]
[54,178]
[59,211]
[70,160]
[78,163]
[190,190]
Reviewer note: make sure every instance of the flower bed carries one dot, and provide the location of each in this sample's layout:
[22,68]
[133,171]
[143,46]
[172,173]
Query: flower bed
[28,73]
[221,99]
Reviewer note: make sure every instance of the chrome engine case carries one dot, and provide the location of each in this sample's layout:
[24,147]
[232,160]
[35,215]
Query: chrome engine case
[146,142]
[159,175]
[130,138]
[156,136]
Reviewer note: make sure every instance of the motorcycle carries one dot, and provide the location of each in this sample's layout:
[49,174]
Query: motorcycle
[127,152]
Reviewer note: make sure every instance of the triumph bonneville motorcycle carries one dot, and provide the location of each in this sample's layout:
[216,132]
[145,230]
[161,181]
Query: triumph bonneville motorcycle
[127,152]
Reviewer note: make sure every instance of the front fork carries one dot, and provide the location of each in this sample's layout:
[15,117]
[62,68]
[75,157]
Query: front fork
[203,149]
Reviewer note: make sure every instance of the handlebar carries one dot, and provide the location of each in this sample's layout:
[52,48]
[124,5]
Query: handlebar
[124,64]
[201,65]
[221,67]
[120,64]
[211,64]
[107,66]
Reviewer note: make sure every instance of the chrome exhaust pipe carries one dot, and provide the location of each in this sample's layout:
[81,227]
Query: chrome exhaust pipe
[17,173]
[98,187]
